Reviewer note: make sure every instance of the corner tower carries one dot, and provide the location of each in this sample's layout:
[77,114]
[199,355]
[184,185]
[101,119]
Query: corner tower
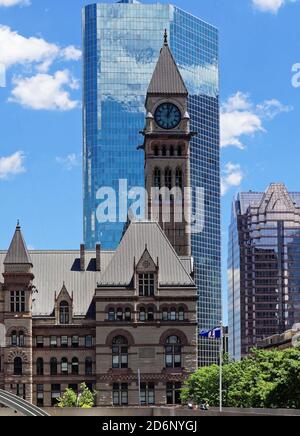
[18,289]
[167,138]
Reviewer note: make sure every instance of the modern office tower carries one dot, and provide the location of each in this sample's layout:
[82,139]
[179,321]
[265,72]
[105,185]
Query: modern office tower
[121,46]
[263,267]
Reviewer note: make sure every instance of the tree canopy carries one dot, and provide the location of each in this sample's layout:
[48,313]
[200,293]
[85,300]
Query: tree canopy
[268,379]
[85,399]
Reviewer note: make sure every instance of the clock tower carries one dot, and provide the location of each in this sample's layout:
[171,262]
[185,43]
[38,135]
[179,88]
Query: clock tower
[167,138]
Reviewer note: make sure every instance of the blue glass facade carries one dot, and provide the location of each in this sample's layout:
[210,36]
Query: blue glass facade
[121,46]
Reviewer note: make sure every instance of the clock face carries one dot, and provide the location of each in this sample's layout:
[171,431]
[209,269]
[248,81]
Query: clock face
[167,116]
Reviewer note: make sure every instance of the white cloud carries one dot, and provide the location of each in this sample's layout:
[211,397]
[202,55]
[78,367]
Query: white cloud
[45,91]
[8,3]
[232,176]
[12,165]
[16,49]
[271,108]
[70,161]
[272,6]
[241,118]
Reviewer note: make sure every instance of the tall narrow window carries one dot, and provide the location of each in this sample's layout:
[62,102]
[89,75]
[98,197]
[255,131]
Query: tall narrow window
[40,395]
[127,314]
[157,178]
[179,178]
[64,366]
[168,178]
[88,366]
[156,151]
[119,352]
[88,341]
[18,366]
[111,314]
[53,366]
[142,316]
[173,352]
[75,366]
[146,285]
[64,313]
[179,151]
[171,151]
[14,339]
[40,366]
[21,339]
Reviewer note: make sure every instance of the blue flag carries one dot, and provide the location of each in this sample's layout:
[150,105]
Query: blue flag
[211,334]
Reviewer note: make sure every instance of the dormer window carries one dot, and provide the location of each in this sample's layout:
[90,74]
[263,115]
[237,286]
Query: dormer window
[64,313]
[146,285]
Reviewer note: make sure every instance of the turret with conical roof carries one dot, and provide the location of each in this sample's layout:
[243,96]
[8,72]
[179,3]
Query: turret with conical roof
[166,78]
[17,253]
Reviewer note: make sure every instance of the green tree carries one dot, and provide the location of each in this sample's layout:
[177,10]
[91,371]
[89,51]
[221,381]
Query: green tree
[85,399]
[264,379]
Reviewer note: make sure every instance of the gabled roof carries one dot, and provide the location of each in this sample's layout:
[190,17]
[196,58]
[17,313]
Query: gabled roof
[166,78]
[276,199]
[120,270]
[53,267]
[17,253]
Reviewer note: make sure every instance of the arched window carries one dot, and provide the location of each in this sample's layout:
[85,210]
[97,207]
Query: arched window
[21,339]
[165,314]
[64,366]
[111,314]
[88,366]
[179,151]
[181,315]
[157,178]
[150,314]
[119,314]
[142,316]
[164,151]
[171,151]
[172,314]
[75,366]
[18,366]
[119,352]
[64,313]
[168,178]
[127,314]
[173,352]
[14,339]
[40,366]
[179,179]
[53,366]
[156,151]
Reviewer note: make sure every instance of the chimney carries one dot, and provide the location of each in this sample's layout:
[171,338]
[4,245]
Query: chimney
[82,257]
[98,257]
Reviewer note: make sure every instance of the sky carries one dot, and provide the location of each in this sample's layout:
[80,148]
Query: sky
[41,123]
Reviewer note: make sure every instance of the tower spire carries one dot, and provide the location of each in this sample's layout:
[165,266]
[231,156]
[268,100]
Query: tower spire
[166,37]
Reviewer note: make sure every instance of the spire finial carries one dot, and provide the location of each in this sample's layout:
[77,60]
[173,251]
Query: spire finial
[18,224]
[166,37]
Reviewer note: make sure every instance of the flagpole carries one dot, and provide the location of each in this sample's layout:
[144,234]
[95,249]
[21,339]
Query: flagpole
[221,368]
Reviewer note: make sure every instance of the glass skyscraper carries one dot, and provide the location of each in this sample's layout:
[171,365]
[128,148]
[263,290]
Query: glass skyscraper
[121,45]
[263,267]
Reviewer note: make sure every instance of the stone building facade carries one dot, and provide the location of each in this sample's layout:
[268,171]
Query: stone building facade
[125,321]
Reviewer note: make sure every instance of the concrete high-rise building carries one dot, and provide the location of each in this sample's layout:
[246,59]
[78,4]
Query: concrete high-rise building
[121,45]
[263,267]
